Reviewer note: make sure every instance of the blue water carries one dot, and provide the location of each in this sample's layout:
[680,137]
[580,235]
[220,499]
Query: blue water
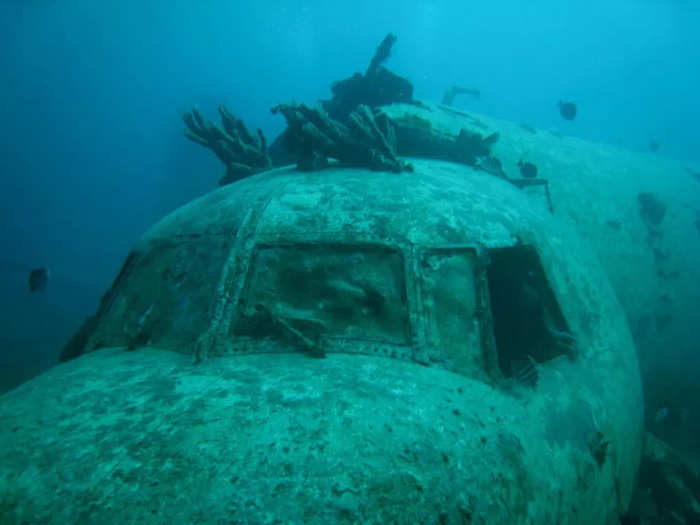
[92,151]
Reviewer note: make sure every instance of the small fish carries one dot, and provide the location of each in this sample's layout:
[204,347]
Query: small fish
[525,372]
[654,146]
[527,169]
[38,279]
[567,110]
[661,415]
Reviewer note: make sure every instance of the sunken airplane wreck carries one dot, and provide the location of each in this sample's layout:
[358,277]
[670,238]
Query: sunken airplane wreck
[360,338]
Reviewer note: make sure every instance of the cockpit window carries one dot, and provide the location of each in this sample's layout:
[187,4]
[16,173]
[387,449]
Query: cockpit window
[309,294]
[453,299]
[483,317]
[161,296]
[529,326]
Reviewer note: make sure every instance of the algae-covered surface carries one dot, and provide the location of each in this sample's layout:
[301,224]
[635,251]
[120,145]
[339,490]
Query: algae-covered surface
[146,436]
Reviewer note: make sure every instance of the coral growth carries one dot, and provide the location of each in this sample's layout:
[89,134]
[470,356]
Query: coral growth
[367,140]
[242,153]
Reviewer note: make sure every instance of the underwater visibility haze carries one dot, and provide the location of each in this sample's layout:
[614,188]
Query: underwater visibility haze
[549,151]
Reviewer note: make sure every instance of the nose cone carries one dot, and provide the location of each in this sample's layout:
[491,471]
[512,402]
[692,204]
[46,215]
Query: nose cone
[339,347]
